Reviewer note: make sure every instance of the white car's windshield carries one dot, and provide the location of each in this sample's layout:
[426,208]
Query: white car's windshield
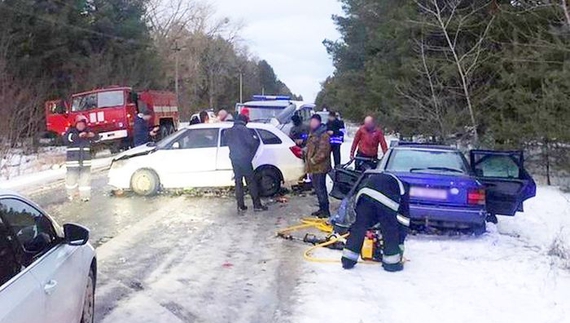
[98,100]
[429,161]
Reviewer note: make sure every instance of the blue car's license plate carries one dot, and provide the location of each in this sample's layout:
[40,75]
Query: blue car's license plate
[430,193]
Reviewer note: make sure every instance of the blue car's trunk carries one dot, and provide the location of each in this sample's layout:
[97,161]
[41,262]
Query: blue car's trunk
[439,189]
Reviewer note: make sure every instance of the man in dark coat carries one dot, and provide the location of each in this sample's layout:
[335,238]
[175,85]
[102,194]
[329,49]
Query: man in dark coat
[318,163]
[143,131]
[243,146]
[79,140]
[335,129]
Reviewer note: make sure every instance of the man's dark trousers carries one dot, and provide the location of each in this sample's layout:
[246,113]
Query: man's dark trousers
[320,185]
[244,170]
[335,149]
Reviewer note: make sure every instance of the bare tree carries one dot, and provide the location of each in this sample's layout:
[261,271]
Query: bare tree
[450,17]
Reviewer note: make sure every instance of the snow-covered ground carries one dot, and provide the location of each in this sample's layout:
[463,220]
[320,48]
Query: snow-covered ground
[17,163]
[33,177]
[518,272]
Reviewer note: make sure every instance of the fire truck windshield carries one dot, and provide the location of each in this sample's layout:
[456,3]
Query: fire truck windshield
[98,100]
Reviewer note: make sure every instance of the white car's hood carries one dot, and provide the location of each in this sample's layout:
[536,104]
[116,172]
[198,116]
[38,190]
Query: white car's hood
[137,151]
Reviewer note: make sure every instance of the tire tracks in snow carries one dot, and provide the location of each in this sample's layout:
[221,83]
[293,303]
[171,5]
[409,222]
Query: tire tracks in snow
[195,260]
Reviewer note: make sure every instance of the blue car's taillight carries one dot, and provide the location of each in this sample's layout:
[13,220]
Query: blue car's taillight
[476,197]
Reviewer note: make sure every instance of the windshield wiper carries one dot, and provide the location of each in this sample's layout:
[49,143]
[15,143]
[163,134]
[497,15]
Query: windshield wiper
[444,169]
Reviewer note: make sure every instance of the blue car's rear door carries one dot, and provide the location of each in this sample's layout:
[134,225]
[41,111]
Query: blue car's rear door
[507,183]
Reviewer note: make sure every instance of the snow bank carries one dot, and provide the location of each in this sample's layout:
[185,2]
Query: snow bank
[507,275]
[17,163]
[32,179]
[544,224]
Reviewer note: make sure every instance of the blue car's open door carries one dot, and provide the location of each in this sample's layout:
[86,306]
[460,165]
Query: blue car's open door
[507,183]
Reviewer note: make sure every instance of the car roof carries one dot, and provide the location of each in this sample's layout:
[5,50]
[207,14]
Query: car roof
[267,104]
[229,124]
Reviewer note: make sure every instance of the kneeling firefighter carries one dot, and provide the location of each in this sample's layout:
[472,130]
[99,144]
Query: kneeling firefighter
[381,199]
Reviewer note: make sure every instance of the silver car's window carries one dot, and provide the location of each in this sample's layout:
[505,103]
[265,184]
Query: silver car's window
[9,267]
[33,231]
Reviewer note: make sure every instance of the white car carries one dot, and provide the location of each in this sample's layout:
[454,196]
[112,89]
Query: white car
[198,156]
[47,273]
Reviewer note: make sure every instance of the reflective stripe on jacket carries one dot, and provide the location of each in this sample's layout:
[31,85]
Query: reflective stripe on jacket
[337,128]
[78,149]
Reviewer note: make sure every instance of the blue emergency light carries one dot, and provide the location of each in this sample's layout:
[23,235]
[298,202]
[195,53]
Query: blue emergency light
[271,98]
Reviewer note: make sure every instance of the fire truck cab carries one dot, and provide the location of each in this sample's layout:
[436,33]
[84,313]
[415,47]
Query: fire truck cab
[111,113]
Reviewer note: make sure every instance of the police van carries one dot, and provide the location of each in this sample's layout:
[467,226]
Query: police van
[277,110]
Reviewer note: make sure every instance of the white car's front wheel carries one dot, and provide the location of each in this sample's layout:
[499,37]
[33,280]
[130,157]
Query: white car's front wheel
[88,314]
[145,182]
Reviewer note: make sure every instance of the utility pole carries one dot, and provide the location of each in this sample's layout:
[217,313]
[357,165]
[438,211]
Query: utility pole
[240,87]
[176,59]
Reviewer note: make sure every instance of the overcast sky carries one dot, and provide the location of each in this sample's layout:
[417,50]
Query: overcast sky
[289,35]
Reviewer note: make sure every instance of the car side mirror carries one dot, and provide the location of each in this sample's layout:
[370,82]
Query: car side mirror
[176,145]
[75,235]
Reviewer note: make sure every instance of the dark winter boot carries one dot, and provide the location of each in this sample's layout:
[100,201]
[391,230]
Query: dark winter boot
[347,263]
[324,215]
[260,208]
[393,267]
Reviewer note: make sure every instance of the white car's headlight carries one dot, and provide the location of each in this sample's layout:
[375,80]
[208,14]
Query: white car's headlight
[116,164]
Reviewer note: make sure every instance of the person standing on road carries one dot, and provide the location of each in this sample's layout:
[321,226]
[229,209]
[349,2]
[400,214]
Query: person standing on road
[204,116]
[243,146]
[318,163]
[79,140]
[224,116]
[299,132]
[143,132]
[335,129]
[246,113]
[383,199]
[366,142]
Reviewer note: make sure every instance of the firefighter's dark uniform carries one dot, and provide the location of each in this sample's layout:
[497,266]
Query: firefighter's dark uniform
[382,199]
[78,163]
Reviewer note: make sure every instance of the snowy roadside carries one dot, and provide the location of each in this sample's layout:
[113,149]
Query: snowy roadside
[54,173]
[511,274]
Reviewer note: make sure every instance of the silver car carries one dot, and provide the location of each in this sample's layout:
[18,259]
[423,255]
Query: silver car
[47,273]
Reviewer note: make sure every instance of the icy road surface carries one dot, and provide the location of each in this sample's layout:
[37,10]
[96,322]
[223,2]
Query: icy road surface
[182,259]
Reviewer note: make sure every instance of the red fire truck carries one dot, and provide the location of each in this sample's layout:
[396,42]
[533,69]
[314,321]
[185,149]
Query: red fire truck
[111,112]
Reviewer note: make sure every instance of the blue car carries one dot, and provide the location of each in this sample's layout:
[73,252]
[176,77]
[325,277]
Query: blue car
[447,190]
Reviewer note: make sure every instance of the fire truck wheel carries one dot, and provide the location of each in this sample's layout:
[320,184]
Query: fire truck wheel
[145,182]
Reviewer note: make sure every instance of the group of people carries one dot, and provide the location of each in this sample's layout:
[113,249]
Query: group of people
[321,140]
[382,199]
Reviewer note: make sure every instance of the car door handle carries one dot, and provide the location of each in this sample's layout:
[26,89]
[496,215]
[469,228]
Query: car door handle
[50,287]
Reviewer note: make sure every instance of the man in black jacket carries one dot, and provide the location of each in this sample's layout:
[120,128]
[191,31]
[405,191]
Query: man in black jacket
[243,146]
[143,131]
[79,140]
[335,129]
